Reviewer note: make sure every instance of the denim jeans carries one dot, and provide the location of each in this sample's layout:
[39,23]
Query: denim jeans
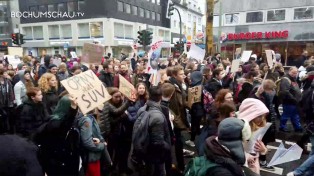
[290,111]
[307,168]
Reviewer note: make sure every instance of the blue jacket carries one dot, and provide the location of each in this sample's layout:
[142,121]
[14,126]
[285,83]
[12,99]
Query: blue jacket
[133,108]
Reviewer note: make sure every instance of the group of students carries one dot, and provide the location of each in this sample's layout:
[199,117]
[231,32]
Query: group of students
[233,106]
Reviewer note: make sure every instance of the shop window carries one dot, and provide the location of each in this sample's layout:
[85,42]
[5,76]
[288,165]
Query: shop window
[303,13]
[254,17]
[134,10]
[38,32]
[276,15]
[53,32]
[27,31]
[232,18]
[83,29]
[96,29]
[120,6]
[127,8]
[141,12]
[66,31]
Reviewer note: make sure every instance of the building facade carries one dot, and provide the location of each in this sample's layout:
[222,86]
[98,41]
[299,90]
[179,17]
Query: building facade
[191,16]
[5,26]
[112,23]
[258,25]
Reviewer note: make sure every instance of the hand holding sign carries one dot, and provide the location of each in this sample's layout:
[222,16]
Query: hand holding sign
[127,89]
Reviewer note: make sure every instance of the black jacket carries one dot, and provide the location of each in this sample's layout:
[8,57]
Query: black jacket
[30,116]
[165,110]
[50,99]
[106,78]
[289,92]
[213,86]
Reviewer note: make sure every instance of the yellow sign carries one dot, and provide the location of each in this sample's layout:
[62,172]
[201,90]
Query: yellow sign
[88,89]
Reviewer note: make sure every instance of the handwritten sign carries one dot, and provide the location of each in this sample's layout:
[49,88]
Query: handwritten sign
[194,95]
[246,56]
[269,56]
[88,90]
[126,88]
[92,53]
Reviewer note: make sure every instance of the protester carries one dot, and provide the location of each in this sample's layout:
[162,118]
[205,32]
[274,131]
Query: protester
[49,87]
[45,67]
[106,75]
[22,86]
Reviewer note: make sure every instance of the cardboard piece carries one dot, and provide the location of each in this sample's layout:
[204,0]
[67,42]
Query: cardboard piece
[235,65]
[126,88]
[73,54]
[92,53]
[269,56]
[88,89]
[15,51]
[284,155]
[246,56]
[196,53]
[257,135]
[194,95]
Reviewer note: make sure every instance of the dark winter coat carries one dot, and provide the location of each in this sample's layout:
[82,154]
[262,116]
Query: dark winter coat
[165,110]
[213,86]
[134,107]
[50,99]
[289,91]
[6,94]
[31,116]
[106,78]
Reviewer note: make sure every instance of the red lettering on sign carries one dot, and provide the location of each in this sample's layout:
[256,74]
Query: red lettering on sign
[230,36]
[253,35]
[277,34]
[248,36]
[285,34]
[242,36]
[268,35]
[259,35]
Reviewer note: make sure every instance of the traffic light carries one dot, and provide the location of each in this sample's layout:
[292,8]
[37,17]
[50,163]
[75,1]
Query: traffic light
[21,37]
[170,9]
[140,37]
[144,37]
[148,37]
[15,39]
[179,46]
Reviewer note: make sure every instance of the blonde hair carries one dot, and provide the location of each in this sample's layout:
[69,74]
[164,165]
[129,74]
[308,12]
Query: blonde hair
[43,82]
[255,127]
[63,67]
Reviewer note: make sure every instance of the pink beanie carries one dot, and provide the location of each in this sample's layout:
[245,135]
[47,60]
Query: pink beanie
[252,108]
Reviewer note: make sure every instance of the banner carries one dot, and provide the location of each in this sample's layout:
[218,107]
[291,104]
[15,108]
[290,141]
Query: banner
[126,88]
[88,89]
[92,53]
[246,56]
[194,95]
[196,53]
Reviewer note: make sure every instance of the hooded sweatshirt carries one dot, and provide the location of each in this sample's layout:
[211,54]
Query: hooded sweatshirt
[19,88]
[252,108]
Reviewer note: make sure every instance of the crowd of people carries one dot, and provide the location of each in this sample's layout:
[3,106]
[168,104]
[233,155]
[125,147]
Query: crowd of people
[55,138]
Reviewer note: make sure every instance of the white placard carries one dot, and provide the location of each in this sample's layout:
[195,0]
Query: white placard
[235,65]
[197,53]
[73,54]
[246,56]
[269,56]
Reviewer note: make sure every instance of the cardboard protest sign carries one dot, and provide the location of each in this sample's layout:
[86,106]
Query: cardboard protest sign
[88,89]
[283,155]
[246,56]
[92,53]
[269,56]
[235,65]
[126,88]
[194,95]
[15,51]
[197,53]
[73,54]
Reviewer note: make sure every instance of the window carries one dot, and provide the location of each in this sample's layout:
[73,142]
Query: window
[254,17]
[96,29]
[189,17]
[71,7]
[158,2]
[154,1]
[128,31]
[28,33]
[66,31]
[141,12]
[38,32]
[118,30]
[83,29]
[53,32]
[120,6]
[153,16]
[158,16]
[42,8]
[4,30]
[194,18]
[81,5]
[276,15]
[216,21]
[303,13]
[231,18]
[3,14]
[127,8]
[134,10]
[61,7]
[51,8]
[147,15]
[33,9]
[199,21]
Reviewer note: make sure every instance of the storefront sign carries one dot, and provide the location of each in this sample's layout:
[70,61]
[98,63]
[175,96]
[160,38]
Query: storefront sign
[258,35]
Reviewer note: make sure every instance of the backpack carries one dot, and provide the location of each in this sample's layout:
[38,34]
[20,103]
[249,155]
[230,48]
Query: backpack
[278,82]
[208,100]
[199,166]
[140,135]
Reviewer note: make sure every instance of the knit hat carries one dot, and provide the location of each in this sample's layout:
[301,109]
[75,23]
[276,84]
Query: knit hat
[231,133]
[252,108]
[196,78]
